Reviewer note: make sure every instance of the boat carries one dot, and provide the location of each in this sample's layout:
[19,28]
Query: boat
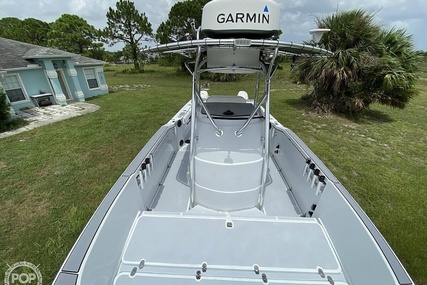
[223,193]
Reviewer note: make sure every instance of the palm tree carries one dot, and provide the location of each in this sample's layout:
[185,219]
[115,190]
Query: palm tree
[369,65]
[393,78]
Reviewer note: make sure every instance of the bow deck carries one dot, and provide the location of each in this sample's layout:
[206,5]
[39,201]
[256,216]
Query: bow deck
[227,248]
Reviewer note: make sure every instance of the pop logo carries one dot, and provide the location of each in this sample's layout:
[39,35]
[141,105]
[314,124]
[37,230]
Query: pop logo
[23,273]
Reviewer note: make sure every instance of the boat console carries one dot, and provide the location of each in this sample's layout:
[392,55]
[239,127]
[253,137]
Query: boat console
[230,135]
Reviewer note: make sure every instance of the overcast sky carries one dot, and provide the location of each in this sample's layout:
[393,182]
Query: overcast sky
[296,15]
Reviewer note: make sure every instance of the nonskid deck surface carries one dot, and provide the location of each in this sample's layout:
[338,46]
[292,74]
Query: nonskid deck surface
[227,248]
[171,243]
[174,193]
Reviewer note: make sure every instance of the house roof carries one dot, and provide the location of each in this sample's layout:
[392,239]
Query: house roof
[16,54]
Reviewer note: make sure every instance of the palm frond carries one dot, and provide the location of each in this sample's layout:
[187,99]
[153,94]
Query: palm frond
[370,64]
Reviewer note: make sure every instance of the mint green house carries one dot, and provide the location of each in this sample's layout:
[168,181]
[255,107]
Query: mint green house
[34,76]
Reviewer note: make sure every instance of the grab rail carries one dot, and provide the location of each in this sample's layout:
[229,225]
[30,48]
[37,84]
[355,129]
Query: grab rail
[193,133]
[239,132]
[268,74]
[218,131]
[267,129]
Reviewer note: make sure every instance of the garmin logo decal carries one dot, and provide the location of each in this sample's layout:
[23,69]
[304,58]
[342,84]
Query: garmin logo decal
[244,18]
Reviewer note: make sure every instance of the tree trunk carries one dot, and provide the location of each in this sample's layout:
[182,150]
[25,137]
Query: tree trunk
[134,50]
[135,58]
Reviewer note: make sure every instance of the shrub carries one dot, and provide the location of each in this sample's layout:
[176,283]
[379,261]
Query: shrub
[4,111]
[369,65]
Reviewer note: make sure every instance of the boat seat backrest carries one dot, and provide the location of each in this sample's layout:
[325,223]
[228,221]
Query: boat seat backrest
[204,94]
[243,94]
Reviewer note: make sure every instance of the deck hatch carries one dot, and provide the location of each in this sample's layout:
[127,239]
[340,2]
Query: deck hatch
[281,244]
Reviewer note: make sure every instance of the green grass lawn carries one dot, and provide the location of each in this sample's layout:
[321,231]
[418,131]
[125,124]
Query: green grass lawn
[53,178]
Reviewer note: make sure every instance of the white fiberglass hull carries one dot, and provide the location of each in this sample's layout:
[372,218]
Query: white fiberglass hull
[146,232]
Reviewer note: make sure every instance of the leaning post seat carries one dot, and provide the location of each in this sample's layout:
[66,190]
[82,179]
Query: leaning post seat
[252,19]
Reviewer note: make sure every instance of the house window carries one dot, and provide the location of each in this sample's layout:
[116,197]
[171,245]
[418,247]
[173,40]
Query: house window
[91,78]
[13,88]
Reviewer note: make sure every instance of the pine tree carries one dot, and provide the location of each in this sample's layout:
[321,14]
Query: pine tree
[125,24]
